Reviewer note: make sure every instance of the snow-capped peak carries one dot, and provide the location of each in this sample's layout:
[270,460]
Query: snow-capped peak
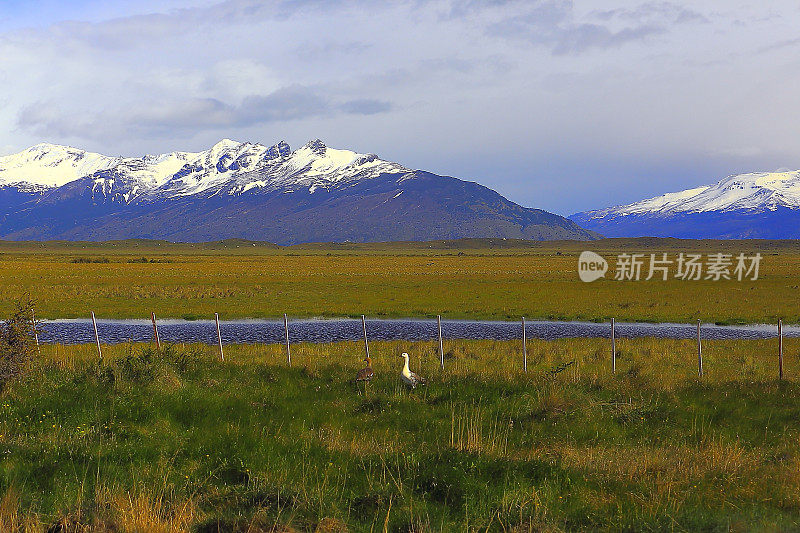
[228,167]
[281,149]
[226,144]
[316,146]
[317,159]
[753,192]
[51,165]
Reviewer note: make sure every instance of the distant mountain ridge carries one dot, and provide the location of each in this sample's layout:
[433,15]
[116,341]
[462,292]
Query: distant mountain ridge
[764,205]
[252,191]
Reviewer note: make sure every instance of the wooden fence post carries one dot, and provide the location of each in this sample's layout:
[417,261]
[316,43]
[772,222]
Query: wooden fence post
[286,329]
[35,331]
[366,343]
[699,351]
[780,349]
[155,332]
[219,338]
[524,347]
[613,348]
[441,344]
[96,336]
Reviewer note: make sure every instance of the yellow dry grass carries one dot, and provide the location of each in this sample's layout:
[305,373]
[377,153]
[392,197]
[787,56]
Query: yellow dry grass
[540,282]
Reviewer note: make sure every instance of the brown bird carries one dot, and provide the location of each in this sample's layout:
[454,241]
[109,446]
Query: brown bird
[366,373]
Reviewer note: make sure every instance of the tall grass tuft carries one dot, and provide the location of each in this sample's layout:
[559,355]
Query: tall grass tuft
[472,430]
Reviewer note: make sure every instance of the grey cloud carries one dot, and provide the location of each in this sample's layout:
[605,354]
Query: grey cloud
[427,70]
[164,119]
[314,51]
[42,119]
[135,30]
[552,24]
[688,15]
[463,8]
[788,43]
[654,12]
[585,36]
[366,106]
[187,117]
[117,33]
[290,103]
[189,114]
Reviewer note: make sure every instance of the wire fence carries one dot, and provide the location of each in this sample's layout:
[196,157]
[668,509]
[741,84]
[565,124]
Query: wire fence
[607,330]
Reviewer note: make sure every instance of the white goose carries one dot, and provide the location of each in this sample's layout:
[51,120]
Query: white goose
[410,378]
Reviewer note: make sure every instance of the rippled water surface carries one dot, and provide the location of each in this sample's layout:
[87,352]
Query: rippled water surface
[325,330]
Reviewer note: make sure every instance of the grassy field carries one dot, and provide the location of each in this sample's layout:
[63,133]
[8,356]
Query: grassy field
[172,441]
[463,279]
[178,441]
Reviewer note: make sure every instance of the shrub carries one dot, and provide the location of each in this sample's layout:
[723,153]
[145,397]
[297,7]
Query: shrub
[17,343]
[147,364]
[87,260]
[139,367]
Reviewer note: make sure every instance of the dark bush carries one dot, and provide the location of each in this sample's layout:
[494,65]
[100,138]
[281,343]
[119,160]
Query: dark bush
[17,343]
[87,260]
[139,367]
[144,260]
[148,363]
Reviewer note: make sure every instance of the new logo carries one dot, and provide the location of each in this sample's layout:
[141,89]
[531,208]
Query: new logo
[591,266]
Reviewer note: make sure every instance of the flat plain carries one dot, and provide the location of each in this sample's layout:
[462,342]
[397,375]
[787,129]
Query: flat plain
[480,279]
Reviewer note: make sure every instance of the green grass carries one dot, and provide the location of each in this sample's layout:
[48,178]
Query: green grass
[181,441]
[458,279]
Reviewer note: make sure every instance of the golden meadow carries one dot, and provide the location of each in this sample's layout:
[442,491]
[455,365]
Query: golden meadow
[459,279]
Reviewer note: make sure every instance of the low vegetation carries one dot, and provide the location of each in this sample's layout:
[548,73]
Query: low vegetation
[176,440]
[458,279]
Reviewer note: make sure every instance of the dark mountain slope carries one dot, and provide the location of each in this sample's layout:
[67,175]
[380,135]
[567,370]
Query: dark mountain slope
[416,206]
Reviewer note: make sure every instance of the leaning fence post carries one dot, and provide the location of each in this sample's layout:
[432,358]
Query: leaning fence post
[613,348]
[155,332]
[96,336]
[524,347]
[286,329]
[699,351]
[219,337]
[441,345]
[780,349]
[35,332]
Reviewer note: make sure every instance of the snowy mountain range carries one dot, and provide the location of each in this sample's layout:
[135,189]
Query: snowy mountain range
[228,167]
[755,205]
[249,190]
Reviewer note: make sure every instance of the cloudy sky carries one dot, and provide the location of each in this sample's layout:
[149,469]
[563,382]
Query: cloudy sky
[556,104]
